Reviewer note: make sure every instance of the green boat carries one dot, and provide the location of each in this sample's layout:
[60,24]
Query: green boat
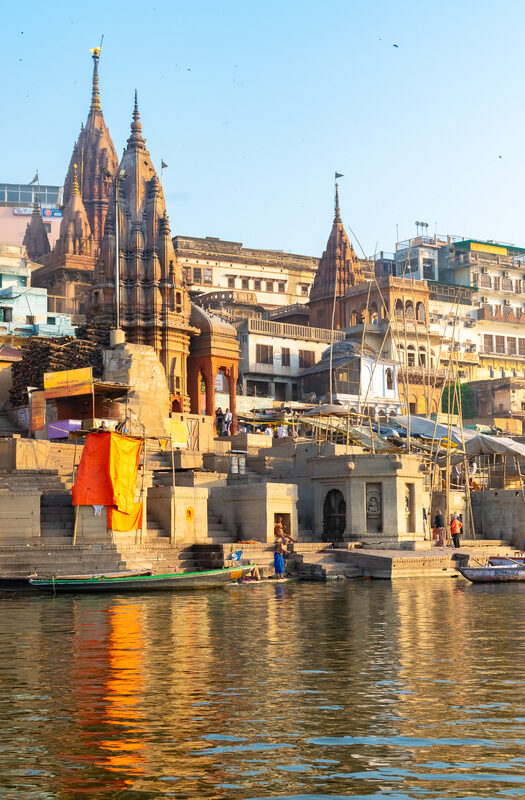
[206,579]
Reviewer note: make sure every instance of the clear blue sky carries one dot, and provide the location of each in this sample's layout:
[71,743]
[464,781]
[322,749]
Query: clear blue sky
[254,106]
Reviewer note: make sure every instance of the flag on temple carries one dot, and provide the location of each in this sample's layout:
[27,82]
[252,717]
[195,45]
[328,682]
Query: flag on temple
[163,165]
[95,51]
[35,179]
[339,175]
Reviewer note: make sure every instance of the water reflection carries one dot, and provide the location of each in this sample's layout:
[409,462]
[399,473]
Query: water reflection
[366,688]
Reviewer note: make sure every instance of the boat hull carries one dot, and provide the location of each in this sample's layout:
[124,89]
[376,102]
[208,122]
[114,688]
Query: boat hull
[502,574]
[206,579]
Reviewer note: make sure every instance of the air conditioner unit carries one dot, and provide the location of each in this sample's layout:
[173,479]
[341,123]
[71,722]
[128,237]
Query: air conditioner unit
[506,273]
[484,270]
[484,299]
[507,302]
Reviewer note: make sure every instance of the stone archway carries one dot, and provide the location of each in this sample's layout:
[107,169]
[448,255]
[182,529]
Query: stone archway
[334,516]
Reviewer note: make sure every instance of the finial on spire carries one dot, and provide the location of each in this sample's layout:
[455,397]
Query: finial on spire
[75,188]
[95,97]
[136,137]
[337,216]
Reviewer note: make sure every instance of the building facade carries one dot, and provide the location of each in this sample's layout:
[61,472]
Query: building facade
[17,207]
[273,355]
[275,278]
[23,308]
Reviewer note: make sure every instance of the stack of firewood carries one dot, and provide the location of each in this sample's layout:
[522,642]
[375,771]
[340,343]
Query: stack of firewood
[50,355]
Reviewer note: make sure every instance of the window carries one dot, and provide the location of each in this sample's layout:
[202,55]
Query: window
[517,285]
[51,320]
[506,284]
[264,354]
[389,379]
[30,320]
[411,355]
[178,302]
[500,344]
[47,227]
[208,277]
[511,346]
[496,284]
[6,314]
[257,284]
[197,274]
[231,282]
[22,281]
[245,283]
[306,358]
[304,289]
[484,281]
[521,347]
[488,343]
[281,287]
[269,286]
[285,357]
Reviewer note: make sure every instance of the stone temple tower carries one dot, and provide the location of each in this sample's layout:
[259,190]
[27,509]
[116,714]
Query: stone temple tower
[154,305]
[338,270]
[97,162]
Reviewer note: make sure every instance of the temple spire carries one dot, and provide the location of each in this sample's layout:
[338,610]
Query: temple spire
[95,96]
[337,216]
[136,139]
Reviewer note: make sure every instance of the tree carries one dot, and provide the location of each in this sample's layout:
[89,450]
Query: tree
[449,402]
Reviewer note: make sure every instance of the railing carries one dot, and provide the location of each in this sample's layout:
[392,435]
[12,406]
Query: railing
[288,331]
[491,351]
[280,310]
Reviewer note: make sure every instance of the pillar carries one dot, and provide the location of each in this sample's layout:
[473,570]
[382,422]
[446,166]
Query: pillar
[232,378]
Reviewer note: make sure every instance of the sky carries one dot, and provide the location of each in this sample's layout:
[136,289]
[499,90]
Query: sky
[254,106]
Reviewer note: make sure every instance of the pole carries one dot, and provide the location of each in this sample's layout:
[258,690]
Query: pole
[117,256]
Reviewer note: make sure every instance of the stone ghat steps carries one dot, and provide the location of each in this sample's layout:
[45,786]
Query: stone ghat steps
[32,480]
[218,533]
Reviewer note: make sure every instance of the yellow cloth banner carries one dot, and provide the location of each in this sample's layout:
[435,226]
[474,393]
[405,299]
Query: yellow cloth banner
[120,521]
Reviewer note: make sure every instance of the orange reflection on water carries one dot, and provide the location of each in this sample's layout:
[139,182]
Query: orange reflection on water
[124,688]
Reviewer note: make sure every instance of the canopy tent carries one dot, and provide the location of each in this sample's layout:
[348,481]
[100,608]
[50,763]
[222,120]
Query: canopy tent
[481,444]
[427,427]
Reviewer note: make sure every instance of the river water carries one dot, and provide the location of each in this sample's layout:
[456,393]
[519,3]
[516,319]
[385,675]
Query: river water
[411,689]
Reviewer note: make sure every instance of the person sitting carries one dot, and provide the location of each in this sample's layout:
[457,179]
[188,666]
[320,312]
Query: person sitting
[280,532]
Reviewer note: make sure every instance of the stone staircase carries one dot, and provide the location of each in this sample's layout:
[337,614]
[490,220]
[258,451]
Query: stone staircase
[32,480]
[218,533]
[57,517]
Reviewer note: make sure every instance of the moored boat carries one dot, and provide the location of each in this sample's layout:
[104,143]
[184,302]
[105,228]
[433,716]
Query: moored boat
[501,573]
[204,579]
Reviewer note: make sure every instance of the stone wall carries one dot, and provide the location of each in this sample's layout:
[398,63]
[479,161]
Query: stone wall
[249,509]
[20,517]
[498,514]
[182,511]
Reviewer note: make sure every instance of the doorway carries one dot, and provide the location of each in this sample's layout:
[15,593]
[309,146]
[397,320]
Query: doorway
[334,516]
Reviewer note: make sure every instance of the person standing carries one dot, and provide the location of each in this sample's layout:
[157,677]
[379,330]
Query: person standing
[439,528]
[268,431]
[219,417]
[455,529]
[278,560]
[227,422]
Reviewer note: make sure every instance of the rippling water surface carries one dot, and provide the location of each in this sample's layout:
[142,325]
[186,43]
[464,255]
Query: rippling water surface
[363,689]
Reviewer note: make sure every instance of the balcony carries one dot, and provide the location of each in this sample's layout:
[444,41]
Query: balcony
[419,374]
[500,352]
[509,315]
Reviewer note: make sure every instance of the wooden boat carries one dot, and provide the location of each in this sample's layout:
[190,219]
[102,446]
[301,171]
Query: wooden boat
[501,573]
[205,579]
[499,561]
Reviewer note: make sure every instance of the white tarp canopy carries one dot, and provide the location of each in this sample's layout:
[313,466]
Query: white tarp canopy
[427,427]
[475,443]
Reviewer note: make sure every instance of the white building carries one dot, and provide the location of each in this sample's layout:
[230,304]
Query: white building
[273,354]
[360,381]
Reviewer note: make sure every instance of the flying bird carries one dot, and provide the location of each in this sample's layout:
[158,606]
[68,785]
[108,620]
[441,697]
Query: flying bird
[395,45]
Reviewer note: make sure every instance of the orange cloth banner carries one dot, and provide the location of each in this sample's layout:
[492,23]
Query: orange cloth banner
[107,472]
[120,521]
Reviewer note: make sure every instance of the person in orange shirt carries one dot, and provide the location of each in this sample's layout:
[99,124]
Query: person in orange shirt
[455,529]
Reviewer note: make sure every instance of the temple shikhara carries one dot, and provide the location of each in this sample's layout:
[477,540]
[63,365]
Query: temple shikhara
[154,305]
[338,271]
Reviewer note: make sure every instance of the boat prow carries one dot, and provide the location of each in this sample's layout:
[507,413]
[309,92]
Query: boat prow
[503,573]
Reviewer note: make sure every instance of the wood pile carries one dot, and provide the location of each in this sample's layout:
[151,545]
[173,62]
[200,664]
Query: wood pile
[51,355]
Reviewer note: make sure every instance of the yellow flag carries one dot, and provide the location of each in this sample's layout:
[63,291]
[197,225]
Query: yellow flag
[95,51]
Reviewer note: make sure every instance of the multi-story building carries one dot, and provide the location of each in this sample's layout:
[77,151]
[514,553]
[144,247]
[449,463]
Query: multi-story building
[355,378]
[17,203]
[23,308]
[497,270]
[421,257]
[275,278]
[273,354]
[390,316]
[453,319]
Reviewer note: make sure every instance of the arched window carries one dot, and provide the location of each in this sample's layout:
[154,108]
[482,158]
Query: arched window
[422,357]
[401,354]
[409,309]
[355,316]
[411,355]
[389,379]
[421,313]
[374,314]
[399,308]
